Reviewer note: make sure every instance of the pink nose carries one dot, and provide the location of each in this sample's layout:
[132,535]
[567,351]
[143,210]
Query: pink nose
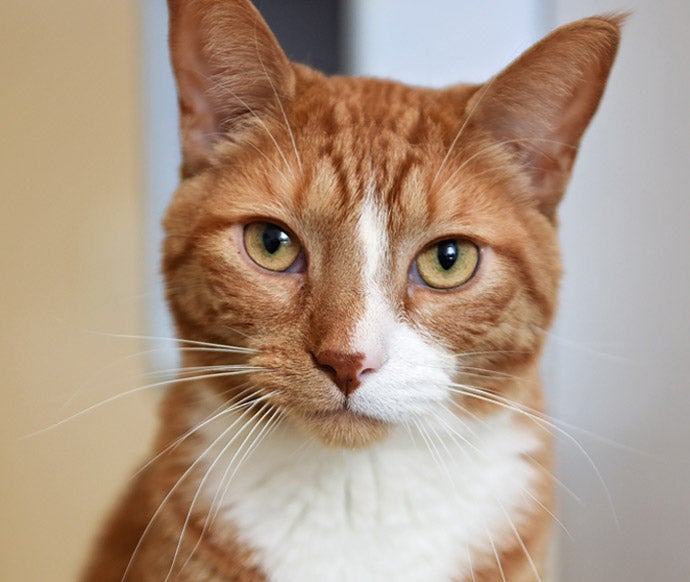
[346,369]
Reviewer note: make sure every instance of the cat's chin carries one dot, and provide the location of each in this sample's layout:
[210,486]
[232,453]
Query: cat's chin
[345,429]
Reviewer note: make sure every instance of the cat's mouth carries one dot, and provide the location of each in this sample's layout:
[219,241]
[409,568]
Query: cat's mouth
[345,428]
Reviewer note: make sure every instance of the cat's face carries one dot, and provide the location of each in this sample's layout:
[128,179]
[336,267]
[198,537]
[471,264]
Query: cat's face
[377,247]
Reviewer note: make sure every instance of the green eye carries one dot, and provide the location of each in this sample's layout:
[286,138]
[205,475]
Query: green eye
[270,246]
[448,263]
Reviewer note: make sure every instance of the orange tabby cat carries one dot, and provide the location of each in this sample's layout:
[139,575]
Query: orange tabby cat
[362,273]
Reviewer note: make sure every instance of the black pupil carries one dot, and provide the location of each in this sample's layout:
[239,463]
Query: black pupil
[274,237]
[447,254]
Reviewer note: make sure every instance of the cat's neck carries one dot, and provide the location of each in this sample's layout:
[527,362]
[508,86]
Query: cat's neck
[303,505]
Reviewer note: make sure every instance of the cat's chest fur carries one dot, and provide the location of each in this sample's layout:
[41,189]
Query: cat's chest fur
[400,510]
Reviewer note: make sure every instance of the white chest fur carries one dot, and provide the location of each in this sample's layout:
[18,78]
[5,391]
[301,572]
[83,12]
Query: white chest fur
[397,511]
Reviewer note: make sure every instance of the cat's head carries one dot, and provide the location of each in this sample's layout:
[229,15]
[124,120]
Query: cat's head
[381,249]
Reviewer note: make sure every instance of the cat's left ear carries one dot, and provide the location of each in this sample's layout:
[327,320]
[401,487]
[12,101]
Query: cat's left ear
[230,73]
[542,103]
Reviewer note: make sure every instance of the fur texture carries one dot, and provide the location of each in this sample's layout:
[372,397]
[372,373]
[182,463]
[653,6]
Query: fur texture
[340,419]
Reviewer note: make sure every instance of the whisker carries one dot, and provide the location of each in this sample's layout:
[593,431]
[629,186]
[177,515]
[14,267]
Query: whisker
[447,451]
[216,502]
[233,349]
[485,91]
[583,347]
[503,169]
[547,472]
[495,551]
[556,421]
[280,104]
[136,390]
[199,488]
[177,484]
[93,377]
[269,426]
[178,372]
[429,445]
[526,491]
[491,353]
[264,155]
[259,120]
[222,410]
[469,561]
[488,374]
[498,146]
[520,541]
[453,434]
[537,417]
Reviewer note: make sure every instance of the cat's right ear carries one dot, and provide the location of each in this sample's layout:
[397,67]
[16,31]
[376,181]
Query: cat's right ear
[541,104]
[230,71]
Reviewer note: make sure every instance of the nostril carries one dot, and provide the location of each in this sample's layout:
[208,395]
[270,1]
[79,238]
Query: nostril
[330,370]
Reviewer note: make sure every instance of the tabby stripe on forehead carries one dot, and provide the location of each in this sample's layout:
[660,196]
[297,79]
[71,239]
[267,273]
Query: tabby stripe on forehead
[340,169]
[399,176]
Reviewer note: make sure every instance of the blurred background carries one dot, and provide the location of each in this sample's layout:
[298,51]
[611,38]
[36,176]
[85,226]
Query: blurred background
[88,156]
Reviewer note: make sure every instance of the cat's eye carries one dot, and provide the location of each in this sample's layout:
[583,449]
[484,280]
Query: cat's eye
[448,263]
[271,246]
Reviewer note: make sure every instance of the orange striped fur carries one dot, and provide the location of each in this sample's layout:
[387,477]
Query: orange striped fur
[335,162]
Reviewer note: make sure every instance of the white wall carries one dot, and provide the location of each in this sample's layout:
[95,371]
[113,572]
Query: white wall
[624,364]
[442,43]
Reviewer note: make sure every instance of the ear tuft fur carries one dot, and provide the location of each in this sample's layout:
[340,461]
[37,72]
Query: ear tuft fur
[229,70]
[541,104]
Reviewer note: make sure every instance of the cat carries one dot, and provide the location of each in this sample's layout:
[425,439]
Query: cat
[361,274]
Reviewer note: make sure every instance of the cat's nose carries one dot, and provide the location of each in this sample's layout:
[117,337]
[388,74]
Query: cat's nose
[346,369]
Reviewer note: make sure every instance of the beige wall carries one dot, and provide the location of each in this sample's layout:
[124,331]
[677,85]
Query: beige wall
[70,262]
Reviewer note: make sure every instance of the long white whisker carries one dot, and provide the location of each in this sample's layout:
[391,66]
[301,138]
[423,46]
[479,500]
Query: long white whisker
[429,445]
[136,390]
[495,146]
[211,516]
[199,488]
[489,374]
[85,385]
[280,105]
[469,561]
[495,551]
[263,154]
[228,479]
[583,347]
[176,485]
[541,467]
[453,434]
[485,90]
[554,421]
[536,417]
[233,349]
[244,402]
[520,541]
[261,122]
[488,533]
[177,372]
[491,353]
